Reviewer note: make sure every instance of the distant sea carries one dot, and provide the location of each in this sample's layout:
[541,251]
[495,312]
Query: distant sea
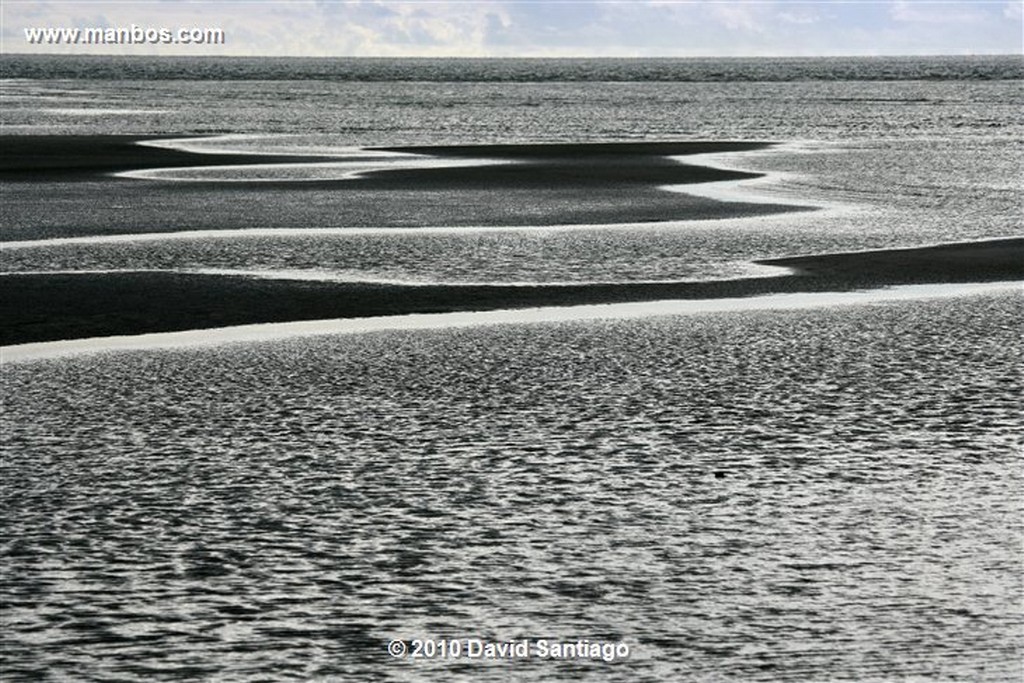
[827,493]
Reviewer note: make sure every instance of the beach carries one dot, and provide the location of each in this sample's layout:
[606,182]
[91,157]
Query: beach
[621,178]
[713,362]
[545,185]
[113,304]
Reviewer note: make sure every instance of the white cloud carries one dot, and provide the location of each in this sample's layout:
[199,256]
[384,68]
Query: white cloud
[534,28]
[739,16]
[936,12]
[798,17]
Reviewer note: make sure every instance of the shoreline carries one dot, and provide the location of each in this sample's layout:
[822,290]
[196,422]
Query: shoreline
[260,332]
[546,184]
[50,307]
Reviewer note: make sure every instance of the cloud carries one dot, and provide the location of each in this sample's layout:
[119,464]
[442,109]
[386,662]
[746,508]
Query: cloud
[800,17]
[535,28]
[936,13]
[558,28]
[741,17]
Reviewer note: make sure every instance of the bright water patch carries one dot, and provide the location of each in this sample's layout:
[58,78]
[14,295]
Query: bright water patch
[298,172]
[383,113]
[98,111]
[692,250]
[760,496]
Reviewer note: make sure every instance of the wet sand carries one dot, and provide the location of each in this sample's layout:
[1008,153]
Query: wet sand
[41,158]
[50,307]
[986,261]
[63,186]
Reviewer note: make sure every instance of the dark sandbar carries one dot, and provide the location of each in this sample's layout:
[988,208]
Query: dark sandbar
[34,158]
[62,186]
[51,307]
[39,158]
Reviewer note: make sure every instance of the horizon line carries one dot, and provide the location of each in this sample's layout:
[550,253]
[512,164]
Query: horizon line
[536,57]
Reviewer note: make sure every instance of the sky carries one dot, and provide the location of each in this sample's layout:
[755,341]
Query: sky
[535,28]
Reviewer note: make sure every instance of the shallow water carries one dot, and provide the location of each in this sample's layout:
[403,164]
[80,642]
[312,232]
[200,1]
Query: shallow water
[784,495]
[895,163]
[284,509]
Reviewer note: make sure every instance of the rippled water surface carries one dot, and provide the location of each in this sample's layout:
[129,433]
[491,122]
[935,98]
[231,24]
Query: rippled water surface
[900,163]
[802,495]
[830,493]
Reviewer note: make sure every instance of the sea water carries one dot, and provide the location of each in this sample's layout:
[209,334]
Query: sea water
[812,494]
[932,157]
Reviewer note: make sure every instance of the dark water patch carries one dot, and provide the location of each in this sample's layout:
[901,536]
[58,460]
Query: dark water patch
[441,70]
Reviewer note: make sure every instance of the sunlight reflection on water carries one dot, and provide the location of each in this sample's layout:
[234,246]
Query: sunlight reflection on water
[705,488]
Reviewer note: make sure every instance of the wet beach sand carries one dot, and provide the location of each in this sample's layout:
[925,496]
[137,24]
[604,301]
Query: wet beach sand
[543,184]
[35,158]
[40,158]
[64,186]
[41,307]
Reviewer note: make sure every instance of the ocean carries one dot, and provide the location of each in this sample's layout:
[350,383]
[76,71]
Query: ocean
[808,490]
